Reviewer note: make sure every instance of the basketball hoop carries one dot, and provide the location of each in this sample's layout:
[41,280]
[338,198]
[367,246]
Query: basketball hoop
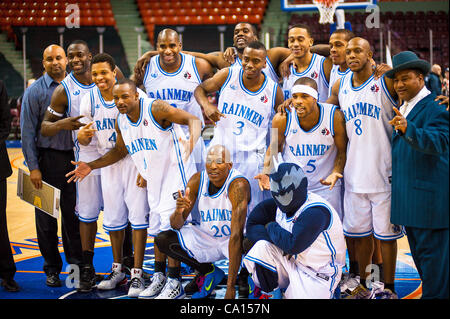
[326,10]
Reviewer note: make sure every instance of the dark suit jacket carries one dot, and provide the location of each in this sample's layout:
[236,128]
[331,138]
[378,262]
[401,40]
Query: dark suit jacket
[420,169]
[5,127]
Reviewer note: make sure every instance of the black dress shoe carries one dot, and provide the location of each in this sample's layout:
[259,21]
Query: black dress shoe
[10,285]
[53,280]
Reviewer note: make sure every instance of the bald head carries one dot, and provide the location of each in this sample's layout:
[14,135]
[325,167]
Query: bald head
[360,42]
[54,61]
[436,69]
[358,55]
[168,34]
[52,48]
[220,151]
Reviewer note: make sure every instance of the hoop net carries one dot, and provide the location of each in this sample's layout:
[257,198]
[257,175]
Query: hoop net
[326,10]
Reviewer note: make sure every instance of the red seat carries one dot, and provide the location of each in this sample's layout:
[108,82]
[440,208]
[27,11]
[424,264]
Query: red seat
[109,21]
[173,20]
[41,21]
[186,20]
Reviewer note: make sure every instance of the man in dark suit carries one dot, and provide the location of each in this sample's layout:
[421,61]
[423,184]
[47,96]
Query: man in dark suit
[7,265]
[420,172]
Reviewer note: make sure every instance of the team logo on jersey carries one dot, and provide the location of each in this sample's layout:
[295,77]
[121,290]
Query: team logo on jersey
[97,106]
[187,75]
[325,131]
[77,92]
[375,88]
[314,75]
[233,87]
[145,122]
[154,75]
[396,228]
[264,98]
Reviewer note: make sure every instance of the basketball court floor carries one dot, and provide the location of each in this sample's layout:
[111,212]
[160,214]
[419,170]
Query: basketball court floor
[29,262]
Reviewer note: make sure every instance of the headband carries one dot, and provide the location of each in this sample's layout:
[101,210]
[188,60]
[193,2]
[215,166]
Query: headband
[300,88]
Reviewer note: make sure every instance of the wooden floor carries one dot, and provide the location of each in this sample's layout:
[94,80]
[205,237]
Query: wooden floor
[22,232]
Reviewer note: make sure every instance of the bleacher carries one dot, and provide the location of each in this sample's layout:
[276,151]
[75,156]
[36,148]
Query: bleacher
[199,12]
[409,31]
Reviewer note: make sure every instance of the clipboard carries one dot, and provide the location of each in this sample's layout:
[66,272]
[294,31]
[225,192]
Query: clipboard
[46,199]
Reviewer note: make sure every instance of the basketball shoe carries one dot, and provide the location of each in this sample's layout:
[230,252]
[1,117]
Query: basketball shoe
[154,289]
[136,284]
[173,289]
[116,278]
[208,282]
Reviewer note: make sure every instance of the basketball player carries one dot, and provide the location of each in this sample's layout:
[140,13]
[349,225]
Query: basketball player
[145,130]
[66,99]
[298,240]
[123,200]
[222,195]
[172,76]
[367,104]
[337,43]
[306,63]
[244,33]
[313,136]
[246,105]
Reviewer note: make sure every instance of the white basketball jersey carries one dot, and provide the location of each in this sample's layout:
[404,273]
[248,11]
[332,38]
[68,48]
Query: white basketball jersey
[175,88]
[367,110]
[215,210]
[327,252]
[268,70]
[103,114]
[335,75]
[247,114]
[314,150]
[315,72]
[157,155]
[75,92]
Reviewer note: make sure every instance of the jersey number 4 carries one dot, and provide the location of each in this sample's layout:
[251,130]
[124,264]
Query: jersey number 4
[113,137]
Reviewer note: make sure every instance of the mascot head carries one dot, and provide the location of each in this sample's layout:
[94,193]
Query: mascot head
[288,185]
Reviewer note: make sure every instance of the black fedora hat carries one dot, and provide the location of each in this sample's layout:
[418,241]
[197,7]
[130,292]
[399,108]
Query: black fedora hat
[408,60]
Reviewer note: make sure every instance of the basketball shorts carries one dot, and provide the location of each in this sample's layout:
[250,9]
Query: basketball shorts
[300,282]
[124,200]
[334,197]
[202,246]
[367,214]
[89,199]
[159,221]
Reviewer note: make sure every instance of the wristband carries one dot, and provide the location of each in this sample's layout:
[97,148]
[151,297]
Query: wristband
[52,111]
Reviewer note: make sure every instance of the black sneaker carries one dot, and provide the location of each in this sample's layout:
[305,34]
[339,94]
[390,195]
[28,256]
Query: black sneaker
[192,286]
[87,278]
[10,285]
[242,282]
[53,280]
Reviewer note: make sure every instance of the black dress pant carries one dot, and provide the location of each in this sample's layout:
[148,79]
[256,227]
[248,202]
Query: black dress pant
[7,265]
[54,165]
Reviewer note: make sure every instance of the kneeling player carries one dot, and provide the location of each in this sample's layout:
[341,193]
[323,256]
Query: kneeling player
[299,242]
[222,195]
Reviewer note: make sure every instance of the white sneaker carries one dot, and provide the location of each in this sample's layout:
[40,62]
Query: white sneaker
[114,279]
[158,283]
[377,287]
[173,289]
[137,284]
